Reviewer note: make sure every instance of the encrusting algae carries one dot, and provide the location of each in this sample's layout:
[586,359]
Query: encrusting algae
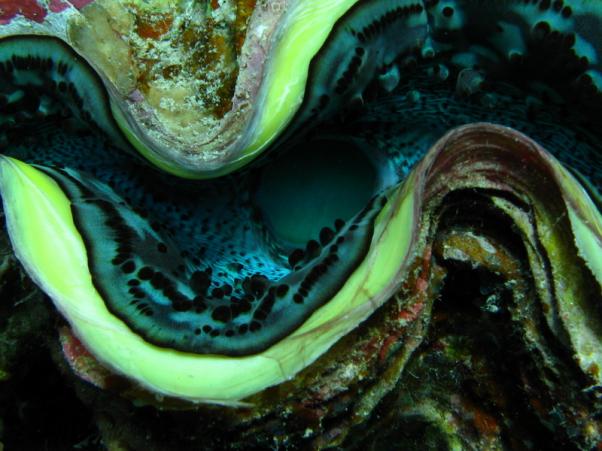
[182,56]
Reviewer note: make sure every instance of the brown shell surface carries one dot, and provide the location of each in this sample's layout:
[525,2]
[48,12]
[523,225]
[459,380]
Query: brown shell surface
[184,74]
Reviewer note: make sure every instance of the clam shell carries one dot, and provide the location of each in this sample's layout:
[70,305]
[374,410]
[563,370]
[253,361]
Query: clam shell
[483,265]
[194,118]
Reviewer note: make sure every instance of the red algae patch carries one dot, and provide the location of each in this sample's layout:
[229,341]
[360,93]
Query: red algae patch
[30,9]
[35,10]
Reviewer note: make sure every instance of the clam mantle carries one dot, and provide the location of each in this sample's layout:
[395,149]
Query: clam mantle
[422,163]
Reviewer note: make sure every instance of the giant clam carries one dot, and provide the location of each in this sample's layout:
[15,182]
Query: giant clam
[258,205]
